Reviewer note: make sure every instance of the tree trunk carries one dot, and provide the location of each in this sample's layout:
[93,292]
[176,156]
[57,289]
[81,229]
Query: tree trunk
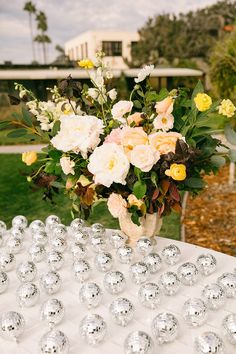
[32,36]
[44,53]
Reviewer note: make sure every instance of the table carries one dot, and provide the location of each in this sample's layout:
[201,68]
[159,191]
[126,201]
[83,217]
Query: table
[116,335]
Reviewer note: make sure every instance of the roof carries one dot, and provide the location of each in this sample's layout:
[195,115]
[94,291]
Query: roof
[54,74]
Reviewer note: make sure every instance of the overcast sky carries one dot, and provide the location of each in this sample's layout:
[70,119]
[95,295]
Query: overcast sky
[68,18]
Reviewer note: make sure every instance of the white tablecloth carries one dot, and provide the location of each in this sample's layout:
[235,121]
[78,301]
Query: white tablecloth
[113,343]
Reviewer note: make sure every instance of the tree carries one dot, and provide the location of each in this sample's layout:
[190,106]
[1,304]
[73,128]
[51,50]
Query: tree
[42,38]
[31,9]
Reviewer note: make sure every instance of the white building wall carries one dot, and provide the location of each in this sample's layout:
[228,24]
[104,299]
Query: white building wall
[88,43]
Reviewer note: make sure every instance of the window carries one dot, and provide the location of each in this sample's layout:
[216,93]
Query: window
[112,49]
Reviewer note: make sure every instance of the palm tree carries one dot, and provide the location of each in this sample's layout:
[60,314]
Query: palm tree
[42,38]
[31,9]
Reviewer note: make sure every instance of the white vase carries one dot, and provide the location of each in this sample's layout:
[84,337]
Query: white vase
[150,225]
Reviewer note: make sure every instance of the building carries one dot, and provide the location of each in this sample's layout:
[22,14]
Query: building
[115,44]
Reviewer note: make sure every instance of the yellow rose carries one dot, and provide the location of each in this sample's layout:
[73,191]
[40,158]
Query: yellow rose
[29,157]
[177,172]
[131,137]
[132,200]
[164,142]
[86,64]
[203,102]
[227,108]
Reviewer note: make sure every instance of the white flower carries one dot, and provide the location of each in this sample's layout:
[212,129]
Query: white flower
[108,163]
[120,109]
[144,72]
[78,134]
[112,94]
[102,97]
[93,92]
[97,78]
[164,122]
[67,165]
[117,205]
[22,93]
[144,157]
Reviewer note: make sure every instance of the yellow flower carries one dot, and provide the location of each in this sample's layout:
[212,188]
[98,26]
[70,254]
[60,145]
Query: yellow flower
[177,172]
[227,108]
[132,200]
[86,64]
[29,157]
[84,181]
[203,101]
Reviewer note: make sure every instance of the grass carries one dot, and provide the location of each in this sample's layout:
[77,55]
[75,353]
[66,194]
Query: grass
[16,197]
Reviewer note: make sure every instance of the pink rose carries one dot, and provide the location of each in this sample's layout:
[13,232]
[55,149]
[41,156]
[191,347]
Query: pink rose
[135,118]
[117,205]
[114,137]
[165,106]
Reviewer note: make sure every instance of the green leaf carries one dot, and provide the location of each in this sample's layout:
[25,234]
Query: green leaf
[230,134]
[232,155]
[135,218]
[50,167]
[26,117]
[55,154]
[58,169]
[139,189]
[198,89]
[140,93]
[195,182]
[56,127]
[218,161]
[154,178]
[151,96]
[162,94]
[137,172]
[137,104]
[57,184]
[16,116]
[4,124]
[17,133]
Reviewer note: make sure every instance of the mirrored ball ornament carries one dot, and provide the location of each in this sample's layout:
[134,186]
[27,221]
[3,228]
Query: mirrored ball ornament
[214,296]
[103,261]
[194,312]
[19,221]
[7,261]
[36,225]
[169,283]
[14,245]
[54,342]
[125,254]
[149,295]
[3,226]
[78,250]
[116,239]
[98,228]
[1,238]
[27,294]
[58,244]
[114,282]
[59,230]
[208,342]
[52,312]
[153,261]
[77,225]
[19,233]
[188,273]
[229,326]
[81,236]
[98,243]
[50,282]
[122,311]
[165,327]
[37,252]
[138,342]
[206,264]
[171,254]
[40,236]
[4,282]
[82,270]
[26,271]
[12,325]
[228,282]
[139,272]
[144,246]
[93,329]
[90,295]
[55,260]
[52,221]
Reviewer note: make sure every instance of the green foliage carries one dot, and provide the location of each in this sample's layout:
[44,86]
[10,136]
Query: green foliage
[223,67]
[139,189]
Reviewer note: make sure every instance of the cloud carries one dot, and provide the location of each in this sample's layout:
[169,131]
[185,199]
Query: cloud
[68,18]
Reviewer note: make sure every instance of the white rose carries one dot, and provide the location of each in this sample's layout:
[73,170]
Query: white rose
[93,92]
[120,109]
[112,94]
[67,165]
[78,134]
[117,205]
[144,157]
[108,163]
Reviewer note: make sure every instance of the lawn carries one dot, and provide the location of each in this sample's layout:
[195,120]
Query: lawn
[16,197]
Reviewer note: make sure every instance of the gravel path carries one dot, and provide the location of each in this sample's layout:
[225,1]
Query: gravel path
[18,149]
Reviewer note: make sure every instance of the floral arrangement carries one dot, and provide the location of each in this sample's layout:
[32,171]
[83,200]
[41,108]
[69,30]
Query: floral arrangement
[138,153]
